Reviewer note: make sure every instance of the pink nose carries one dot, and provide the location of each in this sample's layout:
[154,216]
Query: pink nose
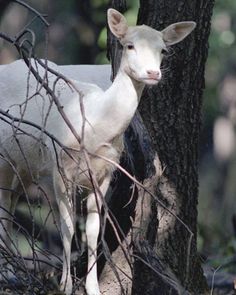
[156,75]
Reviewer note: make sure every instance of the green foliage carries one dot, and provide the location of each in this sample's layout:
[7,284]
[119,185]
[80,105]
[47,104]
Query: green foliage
[222,52]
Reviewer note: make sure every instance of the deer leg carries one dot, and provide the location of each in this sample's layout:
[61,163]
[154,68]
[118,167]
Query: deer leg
[66,212]
[92,232]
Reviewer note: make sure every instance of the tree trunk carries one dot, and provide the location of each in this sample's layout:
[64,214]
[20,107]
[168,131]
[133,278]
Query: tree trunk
[172,114]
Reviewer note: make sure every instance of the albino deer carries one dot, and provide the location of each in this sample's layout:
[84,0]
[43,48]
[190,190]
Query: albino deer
[27,153]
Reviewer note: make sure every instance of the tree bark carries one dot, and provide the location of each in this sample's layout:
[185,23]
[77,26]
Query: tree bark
[174,107]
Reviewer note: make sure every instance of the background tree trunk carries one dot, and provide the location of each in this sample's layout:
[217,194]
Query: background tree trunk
[166,260]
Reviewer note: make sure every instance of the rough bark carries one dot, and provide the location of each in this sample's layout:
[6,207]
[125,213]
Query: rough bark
[175,111]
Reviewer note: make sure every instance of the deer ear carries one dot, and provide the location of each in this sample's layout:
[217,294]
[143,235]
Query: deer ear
[117,23]
[177,32]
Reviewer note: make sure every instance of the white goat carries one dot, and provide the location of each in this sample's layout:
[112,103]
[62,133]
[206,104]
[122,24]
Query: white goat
[27,153]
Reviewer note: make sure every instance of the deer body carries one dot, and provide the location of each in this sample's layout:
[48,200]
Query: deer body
[27,153]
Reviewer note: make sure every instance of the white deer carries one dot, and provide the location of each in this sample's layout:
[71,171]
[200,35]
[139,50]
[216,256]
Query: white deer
[27,154]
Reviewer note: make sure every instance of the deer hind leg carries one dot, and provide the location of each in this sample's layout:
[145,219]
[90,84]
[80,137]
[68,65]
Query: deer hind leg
[66,212]
[8,199]
[92,231]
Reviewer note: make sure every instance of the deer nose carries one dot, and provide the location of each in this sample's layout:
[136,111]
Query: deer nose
[156,75]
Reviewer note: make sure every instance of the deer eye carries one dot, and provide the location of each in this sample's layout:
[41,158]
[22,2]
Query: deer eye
[130,46]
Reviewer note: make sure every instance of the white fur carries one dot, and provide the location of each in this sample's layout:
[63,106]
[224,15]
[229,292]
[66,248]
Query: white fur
[108,114]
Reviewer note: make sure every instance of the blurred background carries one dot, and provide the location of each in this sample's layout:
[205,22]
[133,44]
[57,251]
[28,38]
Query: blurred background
[77,35]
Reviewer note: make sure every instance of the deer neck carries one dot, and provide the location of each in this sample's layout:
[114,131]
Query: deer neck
[117,108]
[123,99]
[129,86]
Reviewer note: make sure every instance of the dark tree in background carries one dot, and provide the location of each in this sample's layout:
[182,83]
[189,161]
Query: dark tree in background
[171,112]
